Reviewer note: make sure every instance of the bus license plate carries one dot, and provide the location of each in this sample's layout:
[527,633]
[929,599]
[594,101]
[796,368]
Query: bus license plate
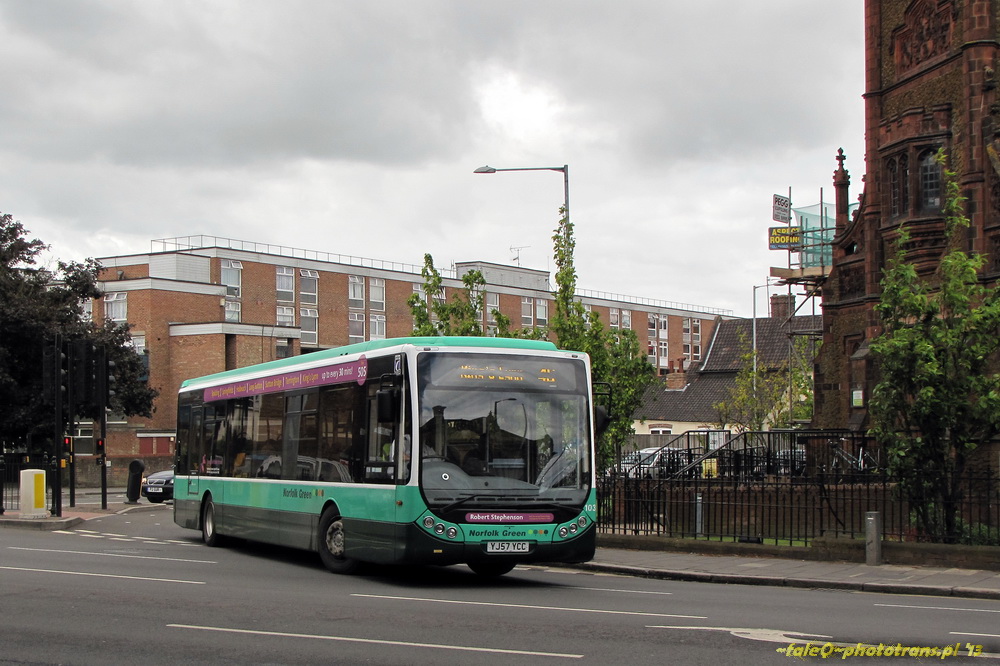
[507,547]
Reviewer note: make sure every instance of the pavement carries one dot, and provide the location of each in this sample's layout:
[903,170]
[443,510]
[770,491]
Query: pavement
[697,567]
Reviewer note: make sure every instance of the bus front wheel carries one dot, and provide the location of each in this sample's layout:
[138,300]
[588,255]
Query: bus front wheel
[331,544]
[208,533]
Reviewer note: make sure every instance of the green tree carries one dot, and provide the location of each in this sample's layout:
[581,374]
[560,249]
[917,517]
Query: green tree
[462,315]
[938,397]
[35,304]
[616,357]
[759,396]
[615,354]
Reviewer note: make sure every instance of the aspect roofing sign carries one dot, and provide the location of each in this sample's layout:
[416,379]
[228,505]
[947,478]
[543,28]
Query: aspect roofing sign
[784,238]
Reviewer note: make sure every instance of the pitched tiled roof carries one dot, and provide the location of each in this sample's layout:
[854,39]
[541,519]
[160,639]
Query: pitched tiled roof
[727,345]
[709,383]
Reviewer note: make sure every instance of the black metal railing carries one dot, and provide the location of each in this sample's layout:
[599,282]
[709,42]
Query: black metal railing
[784,488]
[11,465]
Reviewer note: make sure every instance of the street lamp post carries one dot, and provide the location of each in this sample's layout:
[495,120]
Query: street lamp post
[754,329]
[565,171]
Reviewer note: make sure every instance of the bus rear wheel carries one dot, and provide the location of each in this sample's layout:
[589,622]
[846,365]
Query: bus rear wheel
[332,544]
[491,569]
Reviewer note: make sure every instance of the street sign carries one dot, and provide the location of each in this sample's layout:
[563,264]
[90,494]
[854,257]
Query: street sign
[781,209]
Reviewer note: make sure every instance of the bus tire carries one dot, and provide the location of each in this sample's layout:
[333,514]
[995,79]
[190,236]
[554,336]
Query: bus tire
[331,543]
[491,569]
[208,528]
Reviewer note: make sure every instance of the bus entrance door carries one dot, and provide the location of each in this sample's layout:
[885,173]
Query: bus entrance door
[193,461]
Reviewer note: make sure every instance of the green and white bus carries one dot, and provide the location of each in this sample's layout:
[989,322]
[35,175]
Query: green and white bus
[435,450]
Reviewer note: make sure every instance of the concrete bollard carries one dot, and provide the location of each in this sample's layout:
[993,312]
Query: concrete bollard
[33,494]
[873,538]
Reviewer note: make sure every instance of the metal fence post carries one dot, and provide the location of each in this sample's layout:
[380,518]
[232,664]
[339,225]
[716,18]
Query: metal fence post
[699,517]
[873,538]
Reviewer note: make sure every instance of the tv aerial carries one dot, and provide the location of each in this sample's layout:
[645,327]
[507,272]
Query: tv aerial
[516,250]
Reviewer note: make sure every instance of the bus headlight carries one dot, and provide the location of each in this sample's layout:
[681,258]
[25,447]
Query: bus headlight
[439,528]
[582,521]
[428,522]
[452,533]
[563,532]
[573,527]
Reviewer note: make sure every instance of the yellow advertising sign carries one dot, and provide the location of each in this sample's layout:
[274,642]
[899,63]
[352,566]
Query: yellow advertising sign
[784,238]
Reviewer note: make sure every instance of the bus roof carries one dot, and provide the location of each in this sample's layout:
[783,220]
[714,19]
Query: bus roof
[373,345]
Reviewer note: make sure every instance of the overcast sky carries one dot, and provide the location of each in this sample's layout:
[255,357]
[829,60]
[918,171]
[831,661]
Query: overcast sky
[354,128]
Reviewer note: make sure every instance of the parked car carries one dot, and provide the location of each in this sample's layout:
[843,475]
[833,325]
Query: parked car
[627,467]
[158,486]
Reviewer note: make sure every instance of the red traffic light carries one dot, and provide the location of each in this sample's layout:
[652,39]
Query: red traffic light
[99,446]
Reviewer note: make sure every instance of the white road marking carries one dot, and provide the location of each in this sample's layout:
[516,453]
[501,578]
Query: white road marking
[100,575]
[136,557]
[962,633]
[372,641]
[782,636]
[565,609]
[787,637]
[966,610]
[608,589]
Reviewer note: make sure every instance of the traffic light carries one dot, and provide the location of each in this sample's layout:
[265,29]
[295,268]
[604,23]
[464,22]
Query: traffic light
[67,444]
[99,447]
[82,359]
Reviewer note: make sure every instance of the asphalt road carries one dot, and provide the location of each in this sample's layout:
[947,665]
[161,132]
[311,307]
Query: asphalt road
[134,588]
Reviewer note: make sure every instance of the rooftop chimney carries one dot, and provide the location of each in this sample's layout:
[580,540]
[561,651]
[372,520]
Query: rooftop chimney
[782,306]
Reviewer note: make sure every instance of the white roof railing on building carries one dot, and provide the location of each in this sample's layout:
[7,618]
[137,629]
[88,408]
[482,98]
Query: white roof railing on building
[640,300]
[181,243]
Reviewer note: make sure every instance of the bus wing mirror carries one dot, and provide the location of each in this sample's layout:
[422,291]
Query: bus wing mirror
[601,419]
[387,404]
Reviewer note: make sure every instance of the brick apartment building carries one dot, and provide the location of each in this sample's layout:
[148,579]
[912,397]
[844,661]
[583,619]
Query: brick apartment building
[201,304]
[931,83]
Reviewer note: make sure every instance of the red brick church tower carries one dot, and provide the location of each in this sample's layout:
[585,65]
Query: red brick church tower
[931,83]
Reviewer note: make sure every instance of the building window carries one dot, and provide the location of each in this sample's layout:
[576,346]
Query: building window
[376,293]
[652,323]
[651,351]
[281,348]
[696,352]
[233,311]
[527,311]
[895,191]
[615,318]
[232,272]
[308,286]
[355,327]
[542,312]
[309,324]
[116,306]
[286,316]
[626,319]
[664,353]
[663,324]
[285,283]
[87,309]
[492,302]
[356,291]
[930,182]
[378,327]
[692,330]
